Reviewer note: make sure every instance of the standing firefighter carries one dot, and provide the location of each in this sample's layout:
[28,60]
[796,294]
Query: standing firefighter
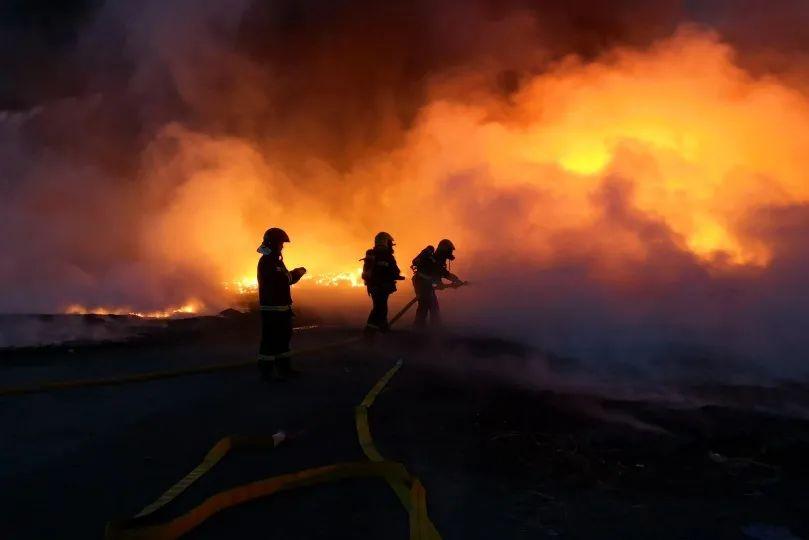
[275,301]
[380,273]
[430,267]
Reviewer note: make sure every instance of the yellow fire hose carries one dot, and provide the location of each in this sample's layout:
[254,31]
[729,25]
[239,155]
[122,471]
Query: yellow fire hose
[405,490]
[408,488]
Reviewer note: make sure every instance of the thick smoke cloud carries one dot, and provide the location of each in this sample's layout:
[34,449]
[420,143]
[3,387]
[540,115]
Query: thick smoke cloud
[625,181]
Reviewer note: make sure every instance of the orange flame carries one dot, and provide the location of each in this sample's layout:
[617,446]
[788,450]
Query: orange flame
[190,308]
[701,141]
[353,279]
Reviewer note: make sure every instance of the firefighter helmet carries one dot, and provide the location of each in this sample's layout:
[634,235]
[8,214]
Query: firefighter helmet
[275,236]
[445,248]
[383,239]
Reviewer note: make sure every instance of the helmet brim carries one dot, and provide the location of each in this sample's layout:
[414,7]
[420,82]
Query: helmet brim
[276,236]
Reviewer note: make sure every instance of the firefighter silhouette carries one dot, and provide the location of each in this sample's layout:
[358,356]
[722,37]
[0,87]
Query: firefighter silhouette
[275,303]
[430,268]
[380,274]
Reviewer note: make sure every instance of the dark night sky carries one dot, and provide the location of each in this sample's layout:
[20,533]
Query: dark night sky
[52,48]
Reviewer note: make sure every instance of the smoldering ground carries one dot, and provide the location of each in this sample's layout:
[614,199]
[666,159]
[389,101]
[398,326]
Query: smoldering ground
[625,183]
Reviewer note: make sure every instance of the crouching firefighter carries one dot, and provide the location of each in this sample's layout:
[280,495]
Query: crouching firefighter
[430,267]
[275,303]
[380,273]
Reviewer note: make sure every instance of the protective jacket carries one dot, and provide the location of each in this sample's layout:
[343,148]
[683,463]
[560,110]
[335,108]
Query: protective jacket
[274,282]
[380,271]
[430,268]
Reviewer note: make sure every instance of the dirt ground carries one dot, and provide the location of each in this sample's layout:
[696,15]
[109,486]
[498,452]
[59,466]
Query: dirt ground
[498,458]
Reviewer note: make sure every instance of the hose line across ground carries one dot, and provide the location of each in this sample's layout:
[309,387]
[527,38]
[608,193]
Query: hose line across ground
[408,488]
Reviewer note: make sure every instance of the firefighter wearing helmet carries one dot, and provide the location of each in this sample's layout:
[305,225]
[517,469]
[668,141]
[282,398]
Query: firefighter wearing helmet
[380,274]
[275,303]
[430,268]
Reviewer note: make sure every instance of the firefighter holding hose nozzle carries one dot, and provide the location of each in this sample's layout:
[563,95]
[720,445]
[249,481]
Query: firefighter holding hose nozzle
[275,303]
[380,274]
[430,267]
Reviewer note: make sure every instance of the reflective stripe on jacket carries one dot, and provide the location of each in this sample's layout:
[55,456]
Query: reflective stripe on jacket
[275,308]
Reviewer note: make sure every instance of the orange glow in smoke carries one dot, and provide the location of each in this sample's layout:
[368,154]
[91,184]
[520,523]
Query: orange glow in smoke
[701,142]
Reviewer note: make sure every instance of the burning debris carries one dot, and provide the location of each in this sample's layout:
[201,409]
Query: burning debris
[189,309]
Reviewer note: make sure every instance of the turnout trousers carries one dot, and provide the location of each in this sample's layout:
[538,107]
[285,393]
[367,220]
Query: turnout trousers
[427,303]
[276,334]
[378,318]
